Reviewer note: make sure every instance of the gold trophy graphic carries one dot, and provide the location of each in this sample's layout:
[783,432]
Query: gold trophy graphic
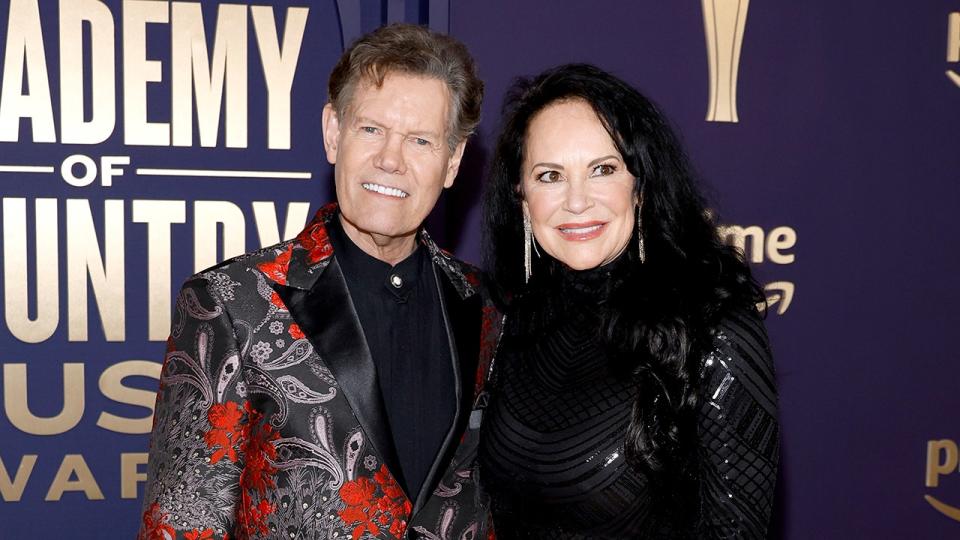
[724,22]
[953,45]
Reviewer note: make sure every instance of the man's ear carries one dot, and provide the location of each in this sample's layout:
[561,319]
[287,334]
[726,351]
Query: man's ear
[331,132]
[453,164]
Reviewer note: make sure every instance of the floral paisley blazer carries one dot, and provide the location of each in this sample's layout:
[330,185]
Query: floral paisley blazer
[269,421]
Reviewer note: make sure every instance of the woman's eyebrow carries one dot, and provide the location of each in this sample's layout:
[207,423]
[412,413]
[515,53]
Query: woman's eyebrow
[602,159]
[548,165]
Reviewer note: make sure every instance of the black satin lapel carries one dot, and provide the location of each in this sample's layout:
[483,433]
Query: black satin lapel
[462,317]
[327,317]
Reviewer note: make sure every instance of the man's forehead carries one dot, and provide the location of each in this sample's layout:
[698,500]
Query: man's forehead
[421,100]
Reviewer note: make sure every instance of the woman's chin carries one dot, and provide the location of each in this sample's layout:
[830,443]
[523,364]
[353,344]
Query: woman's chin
[589,261]
[579,264]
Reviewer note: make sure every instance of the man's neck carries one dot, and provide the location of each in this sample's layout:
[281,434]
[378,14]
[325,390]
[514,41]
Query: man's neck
[389,249]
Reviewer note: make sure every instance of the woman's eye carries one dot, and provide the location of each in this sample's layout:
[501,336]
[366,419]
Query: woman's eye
[604,169]
[549,176]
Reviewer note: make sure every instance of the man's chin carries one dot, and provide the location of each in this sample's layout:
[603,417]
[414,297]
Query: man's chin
[382,227]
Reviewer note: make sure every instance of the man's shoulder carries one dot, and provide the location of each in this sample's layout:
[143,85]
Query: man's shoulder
[455,263]
[296,262]
[465,277]
[242,282]
[242,264]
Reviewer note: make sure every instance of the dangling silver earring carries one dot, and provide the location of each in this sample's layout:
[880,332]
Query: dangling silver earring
[527,244]
[641,250]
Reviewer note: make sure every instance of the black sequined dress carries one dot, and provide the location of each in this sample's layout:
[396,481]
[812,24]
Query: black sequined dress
[552,446]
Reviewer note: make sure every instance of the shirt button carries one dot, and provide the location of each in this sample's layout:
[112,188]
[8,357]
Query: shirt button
[396,281]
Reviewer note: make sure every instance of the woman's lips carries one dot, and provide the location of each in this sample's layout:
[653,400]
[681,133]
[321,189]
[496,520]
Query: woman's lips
[578,232]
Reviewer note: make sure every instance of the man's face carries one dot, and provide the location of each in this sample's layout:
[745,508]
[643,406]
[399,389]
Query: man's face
[391,155]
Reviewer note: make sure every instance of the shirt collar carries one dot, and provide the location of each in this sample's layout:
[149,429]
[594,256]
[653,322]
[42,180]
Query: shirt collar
[372,274]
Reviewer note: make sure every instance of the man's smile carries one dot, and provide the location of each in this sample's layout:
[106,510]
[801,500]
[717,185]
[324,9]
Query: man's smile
[385,190]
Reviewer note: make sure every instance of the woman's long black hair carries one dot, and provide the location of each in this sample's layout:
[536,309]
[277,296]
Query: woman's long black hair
[660,319]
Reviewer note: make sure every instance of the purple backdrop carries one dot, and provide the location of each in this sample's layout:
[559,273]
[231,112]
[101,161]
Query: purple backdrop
[848,115]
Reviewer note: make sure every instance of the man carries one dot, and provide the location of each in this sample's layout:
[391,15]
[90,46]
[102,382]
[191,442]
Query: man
[324,387]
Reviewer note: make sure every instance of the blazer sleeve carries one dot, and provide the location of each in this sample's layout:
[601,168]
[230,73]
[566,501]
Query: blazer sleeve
[200,425]
[739,432]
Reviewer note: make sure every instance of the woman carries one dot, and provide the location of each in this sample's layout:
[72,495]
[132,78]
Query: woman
[633,392]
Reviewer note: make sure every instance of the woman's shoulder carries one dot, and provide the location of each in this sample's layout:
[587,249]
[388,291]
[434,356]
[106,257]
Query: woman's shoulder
[743,331]
[740,351]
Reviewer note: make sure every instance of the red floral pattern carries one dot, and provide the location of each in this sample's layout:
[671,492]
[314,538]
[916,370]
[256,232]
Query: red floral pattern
[277,268]
[315,240]
[258,474]
[252,518]
[228,435]
[277,271]
[369,512]
[260,453]
[197,534]
[155,526]
[295,331]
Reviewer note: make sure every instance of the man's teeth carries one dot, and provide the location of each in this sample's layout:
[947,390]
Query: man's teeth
[582,230]
[384,190]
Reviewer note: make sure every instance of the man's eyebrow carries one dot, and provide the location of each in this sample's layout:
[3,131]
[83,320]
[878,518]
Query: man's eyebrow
[424,133]
[366,120]
[371,121]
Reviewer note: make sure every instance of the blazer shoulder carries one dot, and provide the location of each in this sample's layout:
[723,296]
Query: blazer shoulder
[461,266]
[241,263]
[231,282]
[465,277]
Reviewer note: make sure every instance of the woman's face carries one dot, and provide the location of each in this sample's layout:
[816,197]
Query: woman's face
[577,192]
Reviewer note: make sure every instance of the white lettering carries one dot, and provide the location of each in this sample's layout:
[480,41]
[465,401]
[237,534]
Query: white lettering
[138,72]
[279,66]
[24,52]
[16,284]
[265,217]
[207,215]
[89,170]
[106,272]
[228,67]
[112,387]
[73,13]
[16,406]
[159,217]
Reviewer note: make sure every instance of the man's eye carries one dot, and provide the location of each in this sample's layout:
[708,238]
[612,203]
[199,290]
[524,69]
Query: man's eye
[421,142]
[549,177]
[604,169]
[370,130]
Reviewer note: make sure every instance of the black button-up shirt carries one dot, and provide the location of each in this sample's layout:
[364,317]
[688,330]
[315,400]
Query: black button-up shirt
[402,319]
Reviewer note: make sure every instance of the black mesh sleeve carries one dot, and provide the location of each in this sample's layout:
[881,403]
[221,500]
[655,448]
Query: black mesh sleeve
[739,432]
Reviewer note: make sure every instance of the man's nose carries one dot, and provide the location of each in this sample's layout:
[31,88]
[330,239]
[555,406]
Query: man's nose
[390,157]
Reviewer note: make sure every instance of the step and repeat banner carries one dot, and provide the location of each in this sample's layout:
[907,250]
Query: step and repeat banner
[144,140]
